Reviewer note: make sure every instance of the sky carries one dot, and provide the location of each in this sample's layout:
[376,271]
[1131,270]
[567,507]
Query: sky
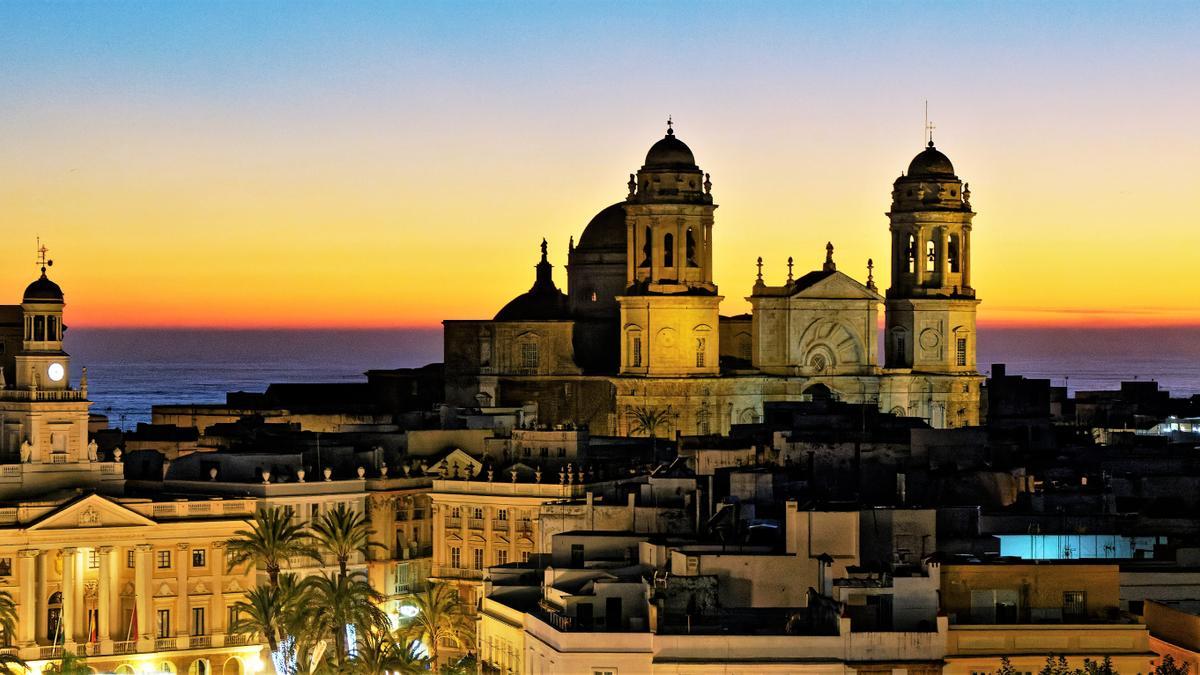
[307,164]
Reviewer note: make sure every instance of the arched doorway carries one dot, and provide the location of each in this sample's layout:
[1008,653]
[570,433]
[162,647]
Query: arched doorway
[232,667]
[54,618]
[200,667]
[124,669]
[820,392]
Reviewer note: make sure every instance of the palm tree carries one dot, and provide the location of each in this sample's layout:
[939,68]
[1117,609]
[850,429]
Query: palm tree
[69,664]
[273,538]
[9,663]
[268,611]
[332,604]
[441,617]
[380,652]
[648,420]
[341,532]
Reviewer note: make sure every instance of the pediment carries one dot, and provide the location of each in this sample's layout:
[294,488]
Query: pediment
[455,463]
[164,589]
[88,512]
[232,586]
[837,286]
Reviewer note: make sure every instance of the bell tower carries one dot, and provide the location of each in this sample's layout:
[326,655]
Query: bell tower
[931,303]
[669,308]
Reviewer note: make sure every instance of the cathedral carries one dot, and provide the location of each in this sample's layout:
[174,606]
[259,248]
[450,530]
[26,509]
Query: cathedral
[637,344]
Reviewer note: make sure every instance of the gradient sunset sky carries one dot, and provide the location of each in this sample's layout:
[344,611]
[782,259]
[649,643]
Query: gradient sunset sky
[259,164]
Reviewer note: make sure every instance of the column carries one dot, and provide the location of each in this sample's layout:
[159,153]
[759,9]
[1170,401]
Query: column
[143,601]
[919,255]
[943,261]
[964,258]
[31,597]
[104,598]
[68,595]
[218,612]
[184,620]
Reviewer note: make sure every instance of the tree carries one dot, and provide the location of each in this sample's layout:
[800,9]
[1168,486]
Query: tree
[1103,667]
[69,664]
[1006,667]
[333,603]
[441,617]
[648,420]
[1168,666]
[272,539]
[267,611]
[382,652]
[11,664]
[1056,666]
[341,532]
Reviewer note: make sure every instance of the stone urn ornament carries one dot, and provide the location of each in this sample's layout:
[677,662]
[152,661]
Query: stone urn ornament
[362,472]
[212,473]
[266,476]
[328,474]
[383,469]
[300,474]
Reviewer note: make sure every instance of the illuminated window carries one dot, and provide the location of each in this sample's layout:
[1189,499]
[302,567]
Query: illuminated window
[198,621]
[199,557]
[164,623]
[910,253]
[164,559]
[93,559]
[930,256]
[960,352]
[455,557]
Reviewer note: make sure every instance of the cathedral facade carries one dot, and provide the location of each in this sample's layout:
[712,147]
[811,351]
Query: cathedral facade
[637,345]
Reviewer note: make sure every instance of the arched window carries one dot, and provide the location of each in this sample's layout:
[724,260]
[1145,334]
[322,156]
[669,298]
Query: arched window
[930,255]
[701,351]
[691,249]
[952,254]
[668,250]
[910,253]
[51,328]
[646,248]
[39,328]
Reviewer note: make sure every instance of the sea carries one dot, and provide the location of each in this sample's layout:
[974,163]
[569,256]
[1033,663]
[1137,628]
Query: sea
[131,369]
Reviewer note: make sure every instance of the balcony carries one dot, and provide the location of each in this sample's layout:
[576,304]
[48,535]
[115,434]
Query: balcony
[475,523]
[500,525]
[200,642]
[235,640]
[125,647]
[453,523]
[448,572]
[41,395]
[166,644]
[50,653]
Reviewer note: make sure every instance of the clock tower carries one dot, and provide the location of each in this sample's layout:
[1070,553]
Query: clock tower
[43,420]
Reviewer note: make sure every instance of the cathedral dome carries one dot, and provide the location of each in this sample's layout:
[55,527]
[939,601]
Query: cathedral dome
[606,230]
[541,302]
[43,290]
[931,162]
[670,153]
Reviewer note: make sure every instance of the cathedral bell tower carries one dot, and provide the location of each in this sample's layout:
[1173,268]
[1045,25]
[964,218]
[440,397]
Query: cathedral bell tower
[931,303]
[669,308]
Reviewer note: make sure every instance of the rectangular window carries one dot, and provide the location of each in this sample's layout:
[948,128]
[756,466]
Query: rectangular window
[478,559]
[199,557]
[93,559]
[502,514]
[960,353]
[198,621]
[5,567]
[455,557]
[524,556]
[635,359]
[164,623]
[1074,605]
[529,356]
[403,578]
[232,617]
[130,558]
[502,557]
[164,559]
[562,452]
[700,352]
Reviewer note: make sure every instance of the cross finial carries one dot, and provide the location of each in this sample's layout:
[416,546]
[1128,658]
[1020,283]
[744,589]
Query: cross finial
[870,274]
[760,268]
[544,248]
[42,260]
[928,125]
[789,269]
[829,264]
[670,131]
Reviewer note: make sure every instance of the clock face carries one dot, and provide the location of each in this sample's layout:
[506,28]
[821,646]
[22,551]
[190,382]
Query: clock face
[56,372]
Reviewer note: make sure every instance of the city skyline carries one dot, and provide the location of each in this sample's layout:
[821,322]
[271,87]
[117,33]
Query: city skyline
[368,166]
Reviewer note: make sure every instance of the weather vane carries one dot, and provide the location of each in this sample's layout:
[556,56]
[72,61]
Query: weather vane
[42,260]
[928,125]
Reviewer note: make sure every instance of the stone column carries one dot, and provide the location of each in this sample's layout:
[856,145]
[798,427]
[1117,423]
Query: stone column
[920,258]
[183,623]
[31,597]
[943,261]
[143,600]
[69,607]
[104,599]
[217,564]
[965,258]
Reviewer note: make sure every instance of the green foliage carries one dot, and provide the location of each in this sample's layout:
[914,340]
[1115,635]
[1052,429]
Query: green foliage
[274,537]
[1058,666]
[11,664]
[441,618]
[1168,666]
[1006,667]
[340,532]
[648,420]
[69,664]
[332,602]
[268,611]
